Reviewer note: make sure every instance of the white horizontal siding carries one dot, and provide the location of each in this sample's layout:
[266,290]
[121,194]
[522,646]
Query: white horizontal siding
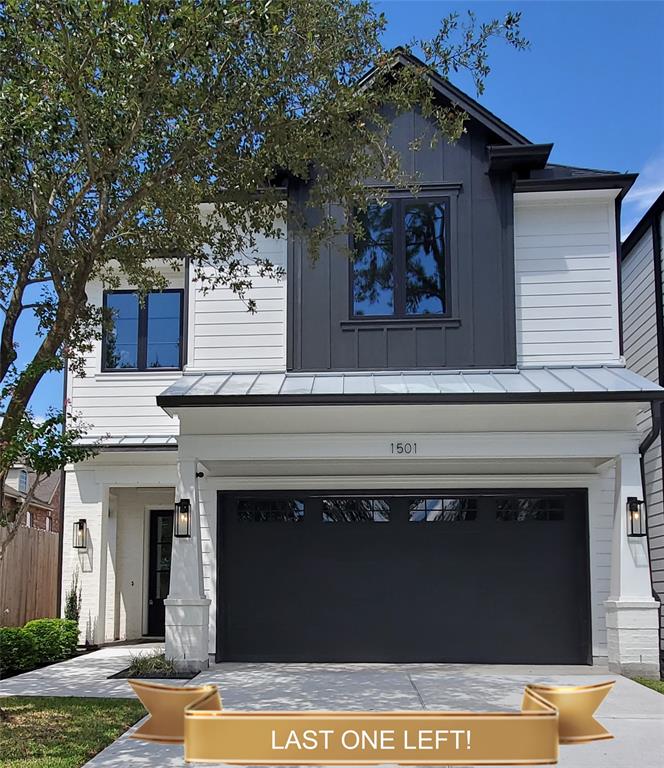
[222,335]
[121,402]
[566,280]
[225,336]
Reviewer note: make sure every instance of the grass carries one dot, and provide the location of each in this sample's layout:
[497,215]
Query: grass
[656,685]
[60,732]
[154,663]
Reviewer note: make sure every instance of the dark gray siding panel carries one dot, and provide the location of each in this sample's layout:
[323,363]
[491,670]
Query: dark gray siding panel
[480,332]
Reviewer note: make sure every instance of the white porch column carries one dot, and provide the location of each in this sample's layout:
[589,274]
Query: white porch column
[631,611]
[187,608]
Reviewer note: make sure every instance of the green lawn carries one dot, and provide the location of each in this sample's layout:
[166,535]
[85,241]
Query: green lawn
[656,685]
[54,732]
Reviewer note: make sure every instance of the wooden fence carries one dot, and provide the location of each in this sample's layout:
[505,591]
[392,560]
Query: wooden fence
[29,577]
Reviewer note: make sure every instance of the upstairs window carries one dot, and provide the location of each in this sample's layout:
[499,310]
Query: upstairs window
[142,336]
[23,481]
[400,264]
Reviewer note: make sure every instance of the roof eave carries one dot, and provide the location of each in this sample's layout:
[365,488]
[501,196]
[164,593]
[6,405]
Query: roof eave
[170,402]
[518,157]
[620,181]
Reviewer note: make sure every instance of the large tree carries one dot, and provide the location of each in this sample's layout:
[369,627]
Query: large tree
[119,118]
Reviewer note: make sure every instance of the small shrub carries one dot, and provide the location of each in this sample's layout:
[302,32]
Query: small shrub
[17,651]
[55,639]
[151,664]
[73,599]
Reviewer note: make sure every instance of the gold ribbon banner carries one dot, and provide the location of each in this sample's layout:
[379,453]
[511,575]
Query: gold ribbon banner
[550,716]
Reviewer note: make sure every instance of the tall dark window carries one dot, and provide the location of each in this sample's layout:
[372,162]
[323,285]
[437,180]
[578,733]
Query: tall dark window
[400,266]
[142,336]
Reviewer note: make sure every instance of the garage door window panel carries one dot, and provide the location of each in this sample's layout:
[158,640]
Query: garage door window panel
[442,510]
[522,510]
[356,510]
[256,510]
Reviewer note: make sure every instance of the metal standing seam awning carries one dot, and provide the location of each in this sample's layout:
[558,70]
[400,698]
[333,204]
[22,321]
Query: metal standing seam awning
[556,384]
[130,442]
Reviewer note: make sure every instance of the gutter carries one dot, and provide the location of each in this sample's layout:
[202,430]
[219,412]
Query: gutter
[167,401]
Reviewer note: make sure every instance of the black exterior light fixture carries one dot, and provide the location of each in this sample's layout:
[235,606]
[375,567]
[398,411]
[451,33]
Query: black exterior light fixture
[637,522]
[182,525]
[80,534]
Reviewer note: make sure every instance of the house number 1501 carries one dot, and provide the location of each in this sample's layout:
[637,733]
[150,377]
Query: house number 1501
[403,448]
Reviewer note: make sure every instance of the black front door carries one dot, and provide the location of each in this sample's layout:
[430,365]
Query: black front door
[161,540]
[475,576]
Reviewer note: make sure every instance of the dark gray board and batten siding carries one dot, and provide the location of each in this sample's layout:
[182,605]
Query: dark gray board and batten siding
[480,330]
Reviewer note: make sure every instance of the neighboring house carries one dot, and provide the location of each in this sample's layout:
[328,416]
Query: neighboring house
[30,567]
[643,322]
[422,455]
[44,510]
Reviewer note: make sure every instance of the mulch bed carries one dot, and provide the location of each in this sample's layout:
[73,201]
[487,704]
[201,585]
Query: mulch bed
[123,674]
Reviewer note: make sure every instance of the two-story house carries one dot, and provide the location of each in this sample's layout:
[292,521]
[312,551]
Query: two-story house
[428,453]
[643,322]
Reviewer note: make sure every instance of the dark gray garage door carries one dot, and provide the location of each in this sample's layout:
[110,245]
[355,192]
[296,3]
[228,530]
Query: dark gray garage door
[448,577]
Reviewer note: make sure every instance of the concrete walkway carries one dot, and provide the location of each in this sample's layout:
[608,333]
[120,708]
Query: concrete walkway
[634,714]
[83,676]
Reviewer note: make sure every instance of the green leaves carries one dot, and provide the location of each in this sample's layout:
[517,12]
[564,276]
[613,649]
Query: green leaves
[46,445]
[135,131]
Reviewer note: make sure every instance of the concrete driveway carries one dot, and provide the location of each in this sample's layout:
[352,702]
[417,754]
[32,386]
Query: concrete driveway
[634,714]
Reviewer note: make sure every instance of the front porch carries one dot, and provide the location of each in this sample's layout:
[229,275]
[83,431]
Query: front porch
[487,450]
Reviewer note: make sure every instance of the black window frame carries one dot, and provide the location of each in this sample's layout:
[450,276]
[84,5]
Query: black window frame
[142,348]
[399,203]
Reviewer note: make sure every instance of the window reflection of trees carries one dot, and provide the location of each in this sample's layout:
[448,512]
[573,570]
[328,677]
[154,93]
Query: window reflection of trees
[373,273]
[522,509]
[355,510]
[419,252]
[270,510]
[431,510]
[424,225]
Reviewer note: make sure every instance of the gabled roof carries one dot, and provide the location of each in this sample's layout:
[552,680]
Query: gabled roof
[445,88]
[517,153]
[47,487]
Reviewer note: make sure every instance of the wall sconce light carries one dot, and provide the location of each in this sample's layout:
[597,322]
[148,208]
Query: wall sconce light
[80,534]
[182,527]
[637,522]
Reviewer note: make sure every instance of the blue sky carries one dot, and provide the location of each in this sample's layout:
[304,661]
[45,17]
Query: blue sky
[592,83]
